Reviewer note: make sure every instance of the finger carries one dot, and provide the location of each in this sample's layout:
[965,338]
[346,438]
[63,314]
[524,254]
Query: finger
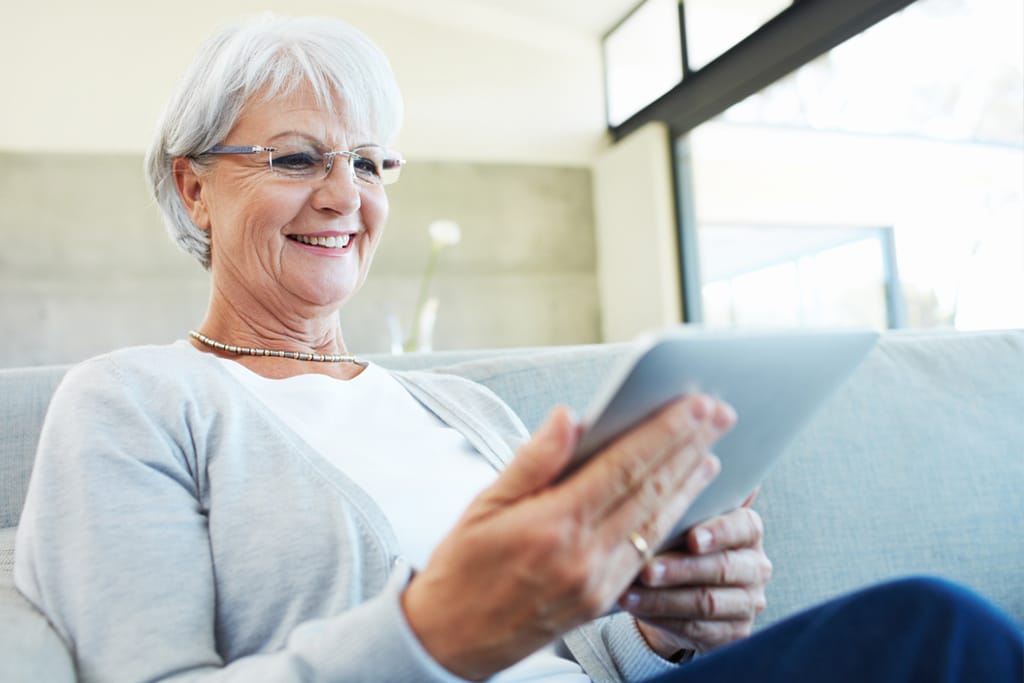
[614,477]
[625,559]
[654,515]
[704,603]
[740,528]
[624,553]
[671,488]
[540,460]
[743,567]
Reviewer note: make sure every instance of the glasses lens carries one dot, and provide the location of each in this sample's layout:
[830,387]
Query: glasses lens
[391,168]
[376,165]
[300,162]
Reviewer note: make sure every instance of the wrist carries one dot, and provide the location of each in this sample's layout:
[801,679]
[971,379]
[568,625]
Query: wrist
[664,645]
[424,621]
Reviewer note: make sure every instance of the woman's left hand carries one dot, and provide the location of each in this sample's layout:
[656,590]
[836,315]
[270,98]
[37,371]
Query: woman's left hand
[706,597]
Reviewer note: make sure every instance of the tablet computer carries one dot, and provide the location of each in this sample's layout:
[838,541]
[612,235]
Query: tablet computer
[774,380]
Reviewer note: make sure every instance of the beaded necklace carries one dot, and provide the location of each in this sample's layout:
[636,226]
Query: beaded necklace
[273,353]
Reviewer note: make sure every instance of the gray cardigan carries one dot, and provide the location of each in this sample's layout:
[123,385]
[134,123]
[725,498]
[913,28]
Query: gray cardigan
[176,530]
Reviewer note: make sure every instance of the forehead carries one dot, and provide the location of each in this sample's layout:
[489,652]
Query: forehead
[298,110]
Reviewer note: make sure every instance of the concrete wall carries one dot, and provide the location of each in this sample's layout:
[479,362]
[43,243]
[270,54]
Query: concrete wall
[86,265]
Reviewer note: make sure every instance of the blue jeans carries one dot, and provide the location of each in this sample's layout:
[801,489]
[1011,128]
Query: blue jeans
[917,629]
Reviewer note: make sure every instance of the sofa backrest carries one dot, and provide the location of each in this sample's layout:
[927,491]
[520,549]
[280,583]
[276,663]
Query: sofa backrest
[525,374]
[24,396]
[916,466]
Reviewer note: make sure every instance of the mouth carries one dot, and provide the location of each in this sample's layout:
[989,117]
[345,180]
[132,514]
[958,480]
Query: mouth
[331,242]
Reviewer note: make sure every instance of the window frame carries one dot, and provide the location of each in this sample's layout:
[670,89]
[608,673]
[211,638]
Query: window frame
[797,35]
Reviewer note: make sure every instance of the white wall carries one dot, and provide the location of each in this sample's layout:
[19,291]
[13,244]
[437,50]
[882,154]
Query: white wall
[637,253]
[504,121]
[481,86]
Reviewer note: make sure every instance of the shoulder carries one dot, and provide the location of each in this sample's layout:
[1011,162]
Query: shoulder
[153,380]
[140,366]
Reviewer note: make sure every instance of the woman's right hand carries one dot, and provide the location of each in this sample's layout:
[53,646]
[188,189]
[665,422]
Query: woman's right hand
[531,559]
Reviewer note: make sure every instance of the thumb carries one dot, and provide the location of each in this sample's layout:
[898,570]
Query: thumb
[541,459]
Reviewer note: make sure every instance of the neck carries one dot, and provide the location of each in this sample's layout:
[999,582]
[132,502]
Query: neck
[234,326]
[236,316]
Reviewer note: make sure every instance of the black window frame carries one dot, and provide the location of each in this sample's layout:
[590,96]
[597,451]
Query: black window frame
[797,35]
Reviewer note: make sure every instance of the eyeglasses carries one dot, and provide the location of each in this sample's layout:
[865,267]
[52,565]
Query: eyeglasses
[371,165]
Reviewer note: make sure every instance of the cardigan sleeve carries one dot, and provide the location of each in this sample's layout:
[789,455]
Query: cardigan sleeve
[612,649]
[114,548]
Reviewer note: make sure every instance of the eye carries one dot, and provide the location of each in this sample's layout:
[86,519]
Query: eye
[387,164]
[365,167]
[298,163]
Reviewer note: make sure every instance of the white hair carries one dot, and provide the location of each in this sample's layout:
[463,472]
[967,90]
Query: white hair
[272,56]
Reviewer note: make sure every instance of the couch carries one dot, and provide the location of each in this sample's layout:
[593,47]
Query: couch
[916,466]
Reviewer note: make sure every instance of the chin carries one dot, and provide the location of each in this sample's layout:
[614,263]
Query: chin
[333,294]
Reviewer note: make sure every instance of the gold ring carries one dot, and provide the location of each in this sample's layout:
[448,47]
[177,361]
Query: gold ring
[641,545]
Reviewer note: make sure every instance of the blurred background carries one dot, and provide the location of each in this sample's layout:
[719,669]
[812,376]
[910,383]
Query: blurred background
[613,166]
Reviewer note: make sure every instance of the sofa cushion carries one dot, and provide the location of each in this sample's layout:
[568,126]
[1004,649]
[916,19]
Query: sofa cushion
[914,467]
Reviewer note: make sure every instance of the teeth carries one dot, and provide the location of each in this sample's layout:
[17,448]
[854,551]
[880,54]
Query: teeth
[329,242]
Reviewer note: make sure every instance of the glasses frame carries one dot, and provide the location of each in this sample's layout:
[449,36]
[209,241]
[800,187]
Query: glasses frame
[329,157]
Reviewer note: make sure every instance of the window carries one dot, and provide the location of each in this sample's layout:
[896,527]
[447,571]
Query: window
[803,276]
[714,26]
[915,125]
[643,58]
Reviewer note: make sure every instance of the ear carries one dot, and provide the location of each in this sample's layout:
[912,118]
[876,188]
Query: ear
[190,188]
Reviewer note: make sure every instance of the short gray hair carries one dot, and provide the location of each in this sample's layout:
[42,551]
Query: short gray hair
[272,55]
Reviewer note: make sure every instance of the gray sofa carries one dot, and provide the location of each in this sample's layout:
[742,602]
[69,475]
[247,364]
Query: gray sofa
[915,467]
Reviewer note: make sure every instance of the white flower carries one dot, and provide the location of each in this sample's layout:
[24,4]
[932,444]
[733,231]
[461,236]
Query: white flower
[444,233]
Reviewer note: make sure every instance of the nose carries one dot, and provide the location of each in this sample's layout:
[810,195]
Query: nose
[339,191]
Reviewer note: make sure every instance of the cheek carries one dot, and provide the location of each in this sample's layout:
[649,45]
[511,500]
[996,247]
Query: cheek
[250,210]
[374,210]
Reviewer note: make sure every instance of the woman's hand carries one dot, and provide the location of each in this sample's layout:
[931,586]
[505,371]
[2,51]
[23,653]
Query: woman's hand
[531,558]
[709,596]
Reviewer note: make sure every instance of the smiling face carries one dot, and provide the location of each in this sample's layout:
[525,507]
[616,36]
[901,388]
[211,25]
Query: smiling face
[279,245]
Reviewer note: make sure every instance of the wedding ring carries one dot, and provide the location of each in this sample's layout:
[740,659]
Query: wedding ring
[641,545]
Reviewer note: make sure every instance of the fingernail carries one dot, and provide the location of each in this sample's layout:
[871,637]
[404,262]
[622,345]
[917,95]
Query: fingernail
[701,408]
[703,538]
[551,432]
[570,414]
[657,572]
[726,417]
[710,467]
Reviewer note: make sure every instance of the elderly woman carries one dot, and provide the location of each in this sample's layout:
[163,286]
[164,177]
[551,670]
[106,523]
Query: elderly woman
[257,504]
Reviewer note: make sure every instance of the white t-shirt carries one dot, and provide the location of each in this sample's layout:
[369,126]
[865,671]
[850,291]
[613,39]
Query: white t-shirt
[421,472]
